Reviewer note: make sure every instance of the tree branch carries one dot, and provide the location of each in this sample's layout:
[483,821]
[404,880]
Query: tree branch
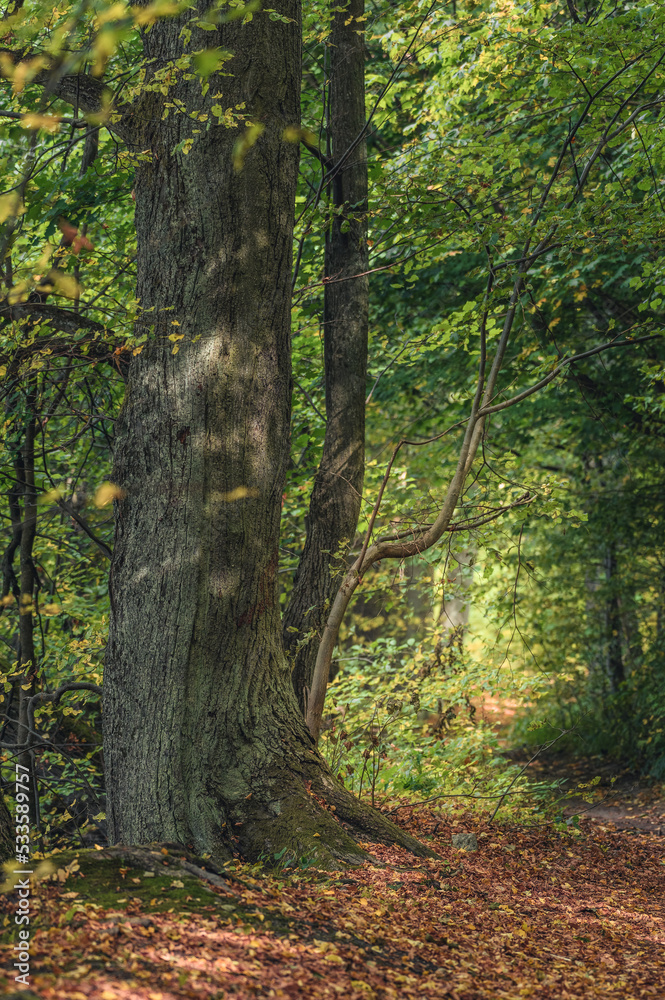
[559,368]
[101,545]
[86,93]
[56,695]
[65,321]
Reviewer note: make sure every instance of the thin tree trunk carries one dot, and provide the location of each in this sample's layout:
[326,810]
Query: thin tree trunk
[7,831]
[336,498]
[11,584]
[613,656]
[630,628]
[27,664]
[399,549]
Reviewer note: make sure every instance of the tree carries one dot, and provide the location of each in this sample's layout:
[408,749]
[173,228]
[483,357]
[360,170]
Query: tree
[337,492]
[7,845]
[560,171]
[203,741]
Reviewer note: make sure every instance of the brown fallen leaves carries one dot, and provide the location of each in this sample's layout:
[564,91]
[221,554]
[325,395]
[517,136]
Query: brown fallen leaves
[530,914]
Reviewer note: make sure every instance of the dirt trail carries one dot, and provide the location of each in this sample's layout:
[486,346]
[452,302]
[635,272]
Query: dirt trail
[621,797]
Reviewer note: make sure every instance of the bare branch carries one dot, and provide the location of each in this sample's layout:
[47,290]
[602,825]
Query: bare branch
[101,545]
[559,368]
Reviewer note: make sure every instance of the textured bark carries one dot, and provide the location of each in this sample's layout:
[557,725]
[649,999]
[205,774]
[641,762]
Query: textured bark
[195,703]
[336,498]
[203,741]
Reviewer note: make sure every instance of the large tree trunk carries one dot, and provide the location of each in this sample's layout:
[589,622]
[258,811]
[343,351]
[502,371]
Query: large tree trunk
[337,494]
[203,741]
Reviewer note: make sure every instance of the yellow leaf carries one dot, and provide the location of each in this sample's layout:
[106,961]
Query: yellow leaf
[149,14]
[239,493]
[10,206]
[24,72]
[50,123]
[62,284]
[52,496]
[43,870]
[294,134]
[106,493]
[113,13]
[104,47]
[244,144]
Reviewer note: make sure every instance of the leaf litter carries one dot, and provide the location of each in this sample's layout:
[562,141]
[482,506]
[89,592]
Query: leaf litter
[531,913]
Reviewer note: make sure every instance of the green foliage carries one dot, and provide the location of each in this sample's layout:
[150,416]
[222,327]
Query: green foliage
[406,712]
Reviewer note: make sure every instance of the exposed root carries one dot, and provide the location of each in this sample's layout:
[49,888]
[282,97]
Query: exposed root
[365,820]
[303,832]
[317,822]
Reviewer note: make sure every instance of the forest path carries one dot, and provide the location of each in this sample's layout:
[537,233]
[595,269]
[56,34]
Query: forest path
[620,796]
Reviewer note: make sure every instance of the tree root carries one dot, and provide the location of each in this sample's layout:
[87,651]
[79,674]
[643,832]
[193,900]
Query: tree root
[365,820]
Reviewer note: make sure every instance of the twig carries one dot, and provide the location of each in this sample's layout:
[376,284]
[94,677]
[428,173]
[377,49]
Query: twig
[545,746]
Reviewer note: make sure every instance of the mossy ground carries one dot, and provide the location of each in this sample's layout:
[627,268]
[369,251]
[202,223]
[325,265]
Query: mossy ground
[86,881]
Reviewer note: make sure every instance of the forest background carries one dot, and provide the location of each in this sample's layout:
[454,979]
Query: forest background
[514,162]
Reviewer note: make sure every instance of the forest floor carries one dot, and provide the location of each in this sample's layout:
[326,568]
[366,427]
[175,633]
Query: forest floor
[532,913]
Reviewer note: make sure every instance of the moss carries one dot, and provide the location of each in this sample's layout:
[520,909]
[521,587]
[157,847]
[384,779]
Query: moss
[111,883]
[301,834]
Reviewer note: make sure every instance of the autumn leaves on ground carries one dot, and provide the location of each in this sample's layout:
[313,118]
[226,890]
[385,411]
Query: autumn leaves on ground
[532,912]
